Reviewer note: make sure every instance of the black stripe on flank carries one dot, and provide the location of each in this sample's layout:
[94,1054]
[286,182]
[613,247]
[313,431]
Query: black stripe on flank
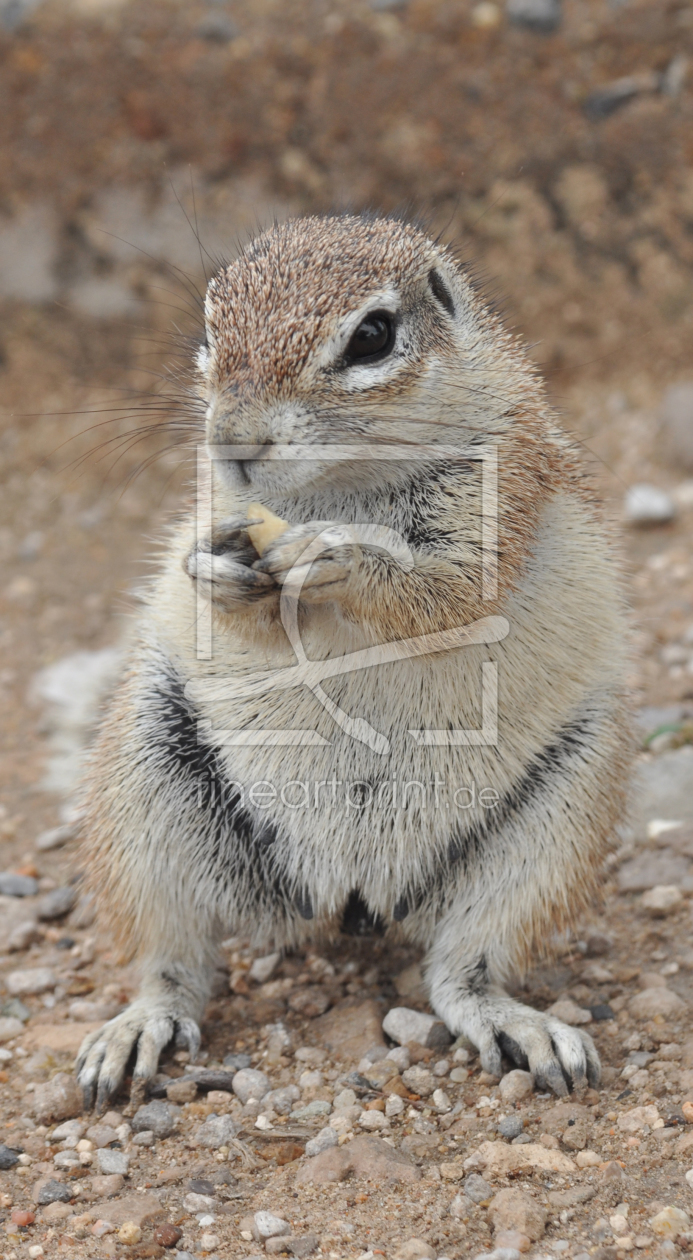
[240,848]
[465,847]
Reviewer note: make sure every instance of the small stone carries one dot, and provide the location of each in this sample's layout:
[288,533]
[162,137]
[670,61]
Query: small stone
[510,1127]
[143,1209]
[669,1223]
[17,885]
[513,1240]
[144,1138]
[56,1211]
[516,1210]
[311,1001]
[366,1157]
[30,981]
[58,1099]
[451,1171]
[351,1028]
[612,1171]
[195,1203]
[653,1002]
[322,1141]
[263,969]
[542,16]
[112,1161]
[516,1086]
[500,1159]
[304,1246]
[441,1101]
[477,1188]
[282,1100]
[8,1157]
[374,1121]
[24,935]
[661,900]
[100,1228]
[129,1233]
[10,1028]
[53,1192]
[55,837]
[102,1135]
[570,1013]
[415,1249]
[318,1107]
[648,505]
[217,1131]
[105,1186]
[155,1117]
[588,1159]
[269,1226]
[420,1081]
[181,1091]
[677,425]
[249,1083]
[57,903]
[404,1025]
[208,1242]
[394,1106]
[236,1062]
[167,1235]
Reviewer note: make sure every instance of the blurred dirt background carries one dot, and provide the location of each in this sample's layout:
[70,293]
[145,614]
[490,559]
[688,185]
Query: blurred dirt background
[554,154]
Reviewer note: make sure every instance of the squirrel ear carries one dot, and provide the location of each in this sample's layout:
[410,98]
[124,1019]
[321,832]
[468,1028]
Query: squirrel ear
[440,291]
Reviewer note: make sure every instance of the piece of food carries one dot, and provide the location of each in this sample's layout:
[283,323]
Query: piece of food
[272,527]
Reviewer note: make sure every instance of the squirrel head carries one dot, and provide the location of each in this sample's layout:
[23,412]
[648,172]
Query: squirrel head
[349,330]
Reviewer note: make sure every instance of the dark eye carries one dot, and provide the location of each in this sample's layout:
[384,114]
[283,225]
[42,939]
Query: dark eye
[373,339]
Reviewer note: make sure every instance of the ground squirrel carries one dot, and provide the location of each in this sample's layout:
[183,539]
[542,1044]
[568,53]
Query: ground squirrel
[452,769]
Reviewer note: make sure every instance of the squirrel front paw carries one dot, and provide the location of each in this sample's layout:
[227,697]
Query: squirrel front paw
[221,568]
[558,1056]
[147,1025]
[322,576]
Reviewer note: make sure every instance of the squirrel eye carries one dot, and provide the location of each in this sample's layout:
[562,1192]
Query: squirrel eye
[373,340]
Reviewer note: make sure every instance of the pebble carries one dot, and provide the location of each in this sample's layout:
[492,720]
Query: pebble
[30,981]
[322,1141]
[351,1029]
[282,1100]
[236,1062]
[677,425]
[515,1086]
[512,1239]
[660,901]
[55,837]
[400,1056]
[182,1091]
[217,1131]
[156,1117]
[670,1222]
[10,1028]
[420,1081]
[648,505]
[374,1121]
[569,1012]
[58,1099]
[653,1002]
[269,1226]
[23,935]
[8,1157]
[500,1159]
[101,1134]
[394,1106]
[105,1186]
[510,1127]
[248,1083]
[167,1235]
[366,1157]
[310,1001]
[57,903]
[144,1138]
[415,1249]
[477,1188]
[516,1210]
[542,16]
[588,1159]
[112,1161]
[263,969]
[17,885]
[129,1233]
[53,1192]
[318,1107]
[195,1203]
[404,1025]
